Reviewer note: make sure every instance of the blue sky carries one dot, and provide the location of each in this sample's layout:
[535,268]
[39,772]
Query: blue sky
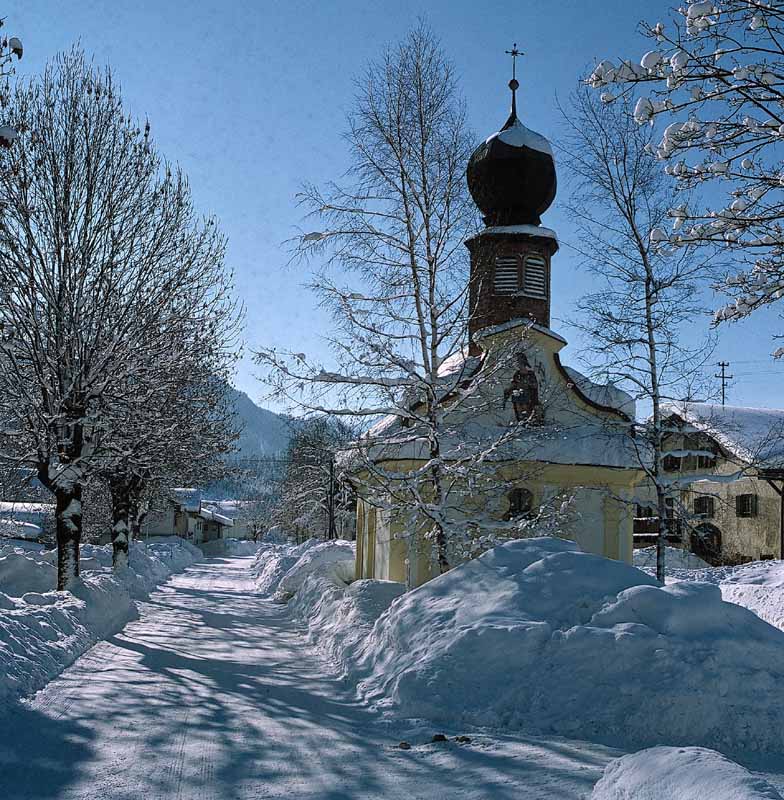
[250,98]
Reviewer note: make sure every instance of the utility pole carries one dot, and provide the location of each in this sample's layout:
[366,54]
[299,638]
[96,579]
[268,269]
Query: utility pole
[724,378]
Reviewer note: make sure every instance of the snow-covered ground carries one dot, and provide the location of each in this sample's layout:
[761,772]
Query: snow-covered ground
[213,692]
[492,642]
[758,586]
[42,631]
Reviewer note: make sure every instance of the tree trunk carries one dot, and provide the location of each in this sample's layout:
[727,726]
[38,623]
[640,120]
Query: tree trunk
[121,522]
[661,539]
[68,510]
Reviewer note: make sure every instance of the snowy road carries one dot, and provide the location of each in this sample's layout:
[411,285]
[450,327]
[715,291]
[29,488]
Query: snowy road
[214,694]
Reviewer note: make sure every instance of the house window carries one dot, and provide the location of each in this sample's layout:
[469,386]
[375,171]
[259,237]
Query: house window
[520,503]
[506,280]
[706,462]
[535,276]
[746,505]
[645,512]
[671,463]
[704,506]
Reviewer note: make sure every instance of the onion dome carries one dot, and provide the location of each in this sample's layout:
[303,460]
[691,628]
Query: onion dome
[511,175]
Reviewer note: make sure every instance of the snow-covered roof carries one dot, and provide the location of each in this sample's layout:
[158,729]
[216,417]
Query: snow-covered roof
[456,364]
[211,515]
[531,230]
[754,435]
[586,444]
[517,322]
[189,499]
[604,394]
[517,135]
[18,529]
[11,508]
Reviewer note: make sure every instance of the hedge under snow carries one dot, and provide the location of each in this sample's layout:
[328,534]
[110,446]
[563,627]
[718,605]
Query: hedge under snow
[42,631]
[538,636]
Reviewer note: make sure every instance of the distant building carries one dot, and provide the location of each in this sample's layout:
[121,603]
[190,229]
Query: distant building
[23,520]
[729,461]
[184,514]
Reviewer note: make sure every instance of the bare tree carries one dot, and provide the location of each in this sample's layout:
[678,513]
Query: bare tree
[96,237]
[310,497]
[396,281]
[635,322]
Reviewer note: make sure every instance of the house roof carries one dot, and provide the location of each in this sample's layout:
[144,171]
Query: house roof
[753,435]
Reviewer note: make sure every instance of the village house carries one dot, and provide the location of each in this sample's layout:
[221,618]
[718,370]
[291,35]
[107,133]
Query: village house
[578,444]
[184,514]
[729,463]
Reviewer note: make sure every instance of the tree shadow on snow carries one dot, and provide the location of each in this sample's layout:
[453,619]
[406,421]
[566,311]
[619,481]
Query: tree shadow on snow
[40,755]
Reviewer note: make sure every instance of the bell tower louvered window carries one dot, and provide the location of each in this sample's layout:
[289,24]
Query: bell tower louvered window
[535,276]
[506,278]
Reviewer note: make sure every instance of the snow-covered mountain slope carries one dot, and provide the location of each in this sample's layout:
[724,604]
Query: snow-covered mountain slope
[263,432]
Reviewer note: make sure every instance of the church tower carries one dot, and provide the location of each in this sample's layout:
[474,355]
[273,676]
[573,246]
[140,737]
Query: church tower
[511,177]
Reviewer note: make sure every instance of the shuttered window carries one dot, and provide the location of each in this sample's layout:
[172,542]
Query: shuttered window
[505,275]
[703,506]
[746,505]
[535,276]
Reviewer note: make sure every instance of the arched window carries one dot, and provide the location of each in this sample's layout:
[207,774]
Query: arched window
[521,502]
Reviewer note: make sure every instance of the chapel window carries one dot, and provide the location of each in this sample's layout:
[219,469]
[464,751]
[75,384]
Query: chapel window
[520,503]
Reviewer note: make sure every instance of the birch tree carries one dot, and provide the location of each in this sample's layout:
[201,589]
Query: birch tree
[634,322]
[395,278]
[96,237]
[714,79]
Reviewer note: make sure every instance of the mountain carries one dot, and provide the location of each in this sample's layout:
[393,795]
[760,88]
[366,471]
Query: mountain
[262,432]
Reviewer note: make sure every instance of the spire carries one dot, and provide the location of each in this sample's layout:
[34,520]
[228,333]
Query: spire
[514,85]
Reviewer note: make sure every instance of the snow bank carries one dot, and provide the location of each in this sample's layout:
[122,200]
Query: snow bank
[340,620]
[685,773]
[42,631]
[333,561]
[539,636]
[758,586]
[230,547]
[273,561]
[674,558]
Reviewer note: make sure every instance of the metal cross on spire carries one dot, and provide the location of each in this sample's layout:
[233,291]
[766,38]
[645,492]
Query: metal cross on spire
[514,85]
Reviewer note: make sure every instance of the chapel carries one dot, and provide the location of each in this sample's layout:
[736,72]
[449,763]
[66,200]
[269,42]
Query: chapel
[572,462]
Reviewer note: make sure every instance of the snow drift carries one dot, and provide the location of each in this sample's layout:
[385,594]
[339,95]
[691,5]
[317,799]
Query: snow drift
[332,561]
[758,586]
[674,558]
[42,631]
[685,773]
[340,620]
[282,569]
[538,636]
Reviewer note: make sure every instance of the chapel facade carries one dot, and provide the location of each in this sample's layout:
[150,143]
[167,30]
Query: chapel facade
[573,445]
